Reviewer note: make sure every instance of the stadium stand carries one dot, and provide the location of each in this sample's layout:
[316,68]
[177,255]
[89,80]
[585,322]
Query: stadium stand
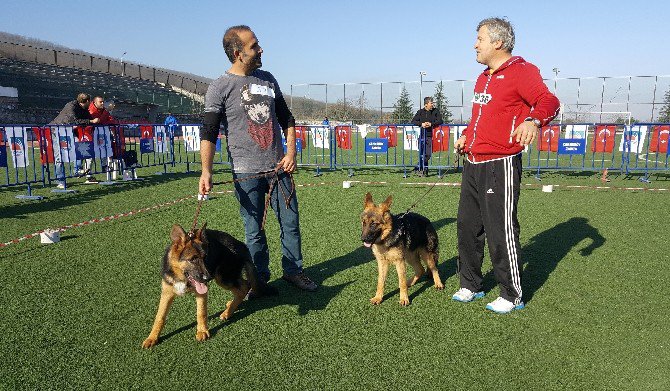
[46,79]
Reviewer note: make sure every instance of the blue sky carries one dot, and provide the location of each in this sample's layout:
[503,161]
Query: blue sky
[356,41]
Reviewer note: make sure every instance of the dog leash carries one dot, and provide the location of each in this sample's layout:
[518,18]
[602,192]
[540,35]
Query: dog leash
[273,183]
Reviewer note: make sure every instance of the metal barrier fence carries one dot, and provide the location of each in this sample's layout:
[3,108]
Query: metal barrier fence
[56,154]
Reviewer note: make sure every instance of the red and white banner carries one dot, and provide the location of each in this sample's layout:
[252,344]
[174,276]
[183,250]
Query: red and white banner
[43,135]
[301,133]
[548,138]
[343,134]
[441,138]
[659,139]
[389,132]
[603,138]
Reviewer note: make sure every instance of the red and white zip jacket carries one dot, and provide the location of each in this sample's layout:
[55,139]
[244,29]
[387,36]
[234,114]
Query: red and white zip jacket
[504,99]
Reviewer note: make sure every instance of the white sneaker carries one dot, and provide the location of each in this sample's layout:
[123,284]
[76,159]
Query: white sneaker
[465,295]
[503,306]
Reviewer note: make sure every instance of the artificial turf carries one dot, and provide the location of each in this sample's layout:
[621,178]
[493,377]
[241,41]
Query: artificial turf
[74,314]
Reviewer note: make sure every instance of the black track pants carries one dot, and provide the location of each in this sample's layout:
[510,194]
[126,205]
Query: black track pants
[488,210]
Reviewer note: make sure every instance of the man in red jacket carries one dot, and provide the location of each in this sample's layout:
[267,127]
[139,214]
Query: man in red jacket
[97,110]
[510,104]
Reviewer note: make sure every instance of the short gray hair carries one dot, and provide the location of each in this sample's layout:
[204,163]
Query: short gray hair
[500,29]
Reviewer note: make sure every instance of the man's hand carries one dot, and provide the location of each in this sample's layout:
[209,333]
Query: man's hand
[525,133]
[425,124]
[459,145]
[287,163]
[95,120]
[205,185]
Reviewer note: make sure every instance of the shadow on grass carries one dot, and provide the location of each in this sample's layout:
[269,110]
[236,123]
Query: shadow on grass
[541,256]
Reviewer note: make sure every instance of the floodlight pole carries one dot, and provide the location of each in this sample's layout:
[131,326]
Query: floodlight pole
[556,71]
[421,75]
[123,67]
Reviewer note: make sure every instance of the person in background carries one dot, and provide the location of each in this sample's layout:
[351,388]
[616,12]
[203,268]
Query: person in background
[427,119]
[73,113]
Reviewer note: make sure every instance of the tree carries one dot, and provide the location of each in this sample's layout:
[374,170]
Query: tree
[442,103]
[403,112]
[664,115]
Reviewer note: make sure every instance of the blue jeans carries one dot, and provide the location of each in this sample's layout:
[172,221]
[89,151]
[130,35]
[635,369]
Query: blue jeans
[425,151]
[251,195]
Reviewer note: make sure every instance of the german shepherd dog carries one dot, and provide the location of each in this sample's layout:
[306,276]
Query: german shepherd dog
[396,239]
[190,262]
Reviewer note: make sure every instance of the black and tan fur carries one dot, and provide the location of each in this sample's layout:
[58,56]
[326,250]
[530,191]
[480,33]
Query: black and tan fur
[190,262]
[396,239]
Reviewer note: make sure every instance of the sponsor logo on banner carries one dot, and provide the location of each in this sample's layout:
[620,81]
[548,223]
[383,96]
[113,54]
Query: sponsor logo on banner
[572,146]
[376,145]
[162,139]
[103,142]
[191,138]
[17,146]
[320,136]
[411,139]
[84,150]
[633,139]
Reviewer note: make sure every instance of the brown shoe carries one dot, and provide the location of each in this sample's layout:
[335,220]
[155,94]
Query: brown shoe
[301,281]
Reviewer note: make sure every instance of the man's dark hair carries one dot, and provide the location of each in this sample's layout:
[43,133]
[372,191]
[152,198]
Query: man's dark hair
[232,41]
[427,99]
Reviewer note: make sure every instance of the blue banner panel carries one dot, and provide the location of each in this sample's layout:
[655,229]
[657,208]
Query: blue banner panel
[376,145]
[571,146]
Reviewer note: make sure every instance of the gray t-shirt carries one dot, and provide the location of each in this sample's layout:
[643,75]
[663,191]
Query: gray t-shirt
[246,105]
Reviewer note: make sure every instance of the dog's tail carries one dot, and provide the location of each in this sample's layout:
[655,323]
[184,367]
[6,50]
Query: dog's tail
[250,269]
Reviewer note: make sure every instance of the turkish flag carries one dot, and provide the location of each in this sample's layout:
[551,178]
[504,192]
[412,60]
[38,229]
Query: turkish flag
[146,131]
[343,133]
[389,132]
[659,139]
[43,136]
[84,133]
[548,138]
[301,133]
[441,138]
[603,138]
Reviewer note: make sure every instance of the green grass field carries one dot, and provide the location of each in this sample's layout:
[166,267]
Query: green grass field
[74,314]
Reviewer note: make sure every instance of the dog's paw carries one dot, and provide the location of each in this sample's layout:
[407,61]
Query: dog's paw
[202,335]
[149,342]
[404,301]
[439,285]
[376,300]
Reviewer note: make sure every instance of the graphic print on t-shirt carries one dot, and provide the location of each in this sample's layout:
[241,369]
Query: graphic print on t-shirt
[256,100]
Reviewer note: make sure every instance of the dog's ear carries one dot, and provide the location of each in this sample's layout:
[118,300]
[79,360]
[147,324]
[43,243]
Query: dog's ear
[387,204]
[177,234]
[368,200]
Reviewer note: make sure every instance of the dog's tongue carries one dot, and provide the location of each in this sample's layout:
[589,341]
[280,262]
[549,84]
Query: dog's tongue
[199,286]
[366,244]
